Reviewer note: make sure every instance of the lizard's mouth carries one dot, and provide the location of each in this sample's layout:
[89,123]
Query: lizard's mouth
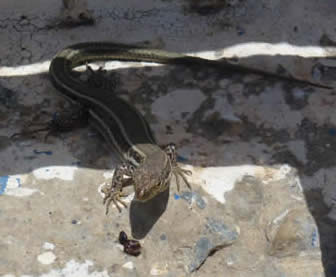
[146,194]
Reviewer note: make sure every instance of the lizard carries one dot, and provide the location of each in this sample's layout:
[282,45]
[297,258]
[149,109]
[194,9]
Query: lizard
[146,165]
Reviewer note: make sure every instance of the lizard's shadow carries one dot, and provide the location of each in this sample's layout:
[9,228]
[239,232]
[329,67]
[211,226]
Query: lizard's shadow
[143,216]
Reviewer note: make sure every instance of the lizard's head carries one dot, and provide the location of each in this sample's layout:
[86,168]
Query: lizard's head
[152,176]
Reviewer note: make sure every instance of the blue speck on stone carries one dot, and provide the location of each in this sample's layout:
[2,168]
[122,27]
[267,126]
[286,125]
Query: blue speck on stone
[176,196]
[18,180]
[216,235]
[202,249]
[77,163]
[189,196]
[3,184]
[240,32]
[224,231]
[332,131]
[181,159]
[42,152]
[163,237]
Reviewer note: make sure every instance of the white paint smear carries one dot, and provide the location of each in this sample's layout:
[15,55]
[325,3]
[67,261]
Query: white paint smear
[271,49]
[22,70]
[239,50]
[21,192]
[219,180]
[13,187]
[61,172]
[159,269]
[48,246]
[46,258]
[74,269]
[128,265]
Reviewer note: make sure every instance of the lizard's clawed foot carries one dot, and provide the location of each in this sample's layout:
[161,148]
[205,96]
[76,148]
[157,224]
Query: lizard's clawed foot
[113,193]
[113,196]
[180,172]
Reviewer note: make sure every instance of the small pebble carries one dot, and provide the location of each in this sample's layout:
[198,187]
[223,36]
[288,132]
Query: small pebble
[131,247]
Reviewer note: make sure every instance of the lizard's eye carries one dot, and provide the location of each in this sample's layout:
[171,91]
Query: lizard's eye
[135,155]
[138,158]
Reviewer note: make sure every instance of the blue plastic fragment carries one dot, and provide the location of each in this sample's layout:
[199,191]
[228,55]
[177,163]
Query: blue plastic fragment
[176,196]
[3,183]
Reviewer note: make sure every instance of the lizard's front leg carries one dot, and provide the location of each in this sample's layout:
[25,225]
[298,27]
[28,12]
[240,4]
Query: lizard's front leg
[177,171]
[113,192]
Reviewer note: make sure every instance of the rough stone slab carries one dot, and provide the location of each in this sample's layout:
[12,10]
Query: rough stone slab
[264,221]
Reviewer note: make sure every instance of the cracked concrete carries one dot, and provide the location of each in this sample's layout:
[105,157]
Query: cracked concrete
[233,125]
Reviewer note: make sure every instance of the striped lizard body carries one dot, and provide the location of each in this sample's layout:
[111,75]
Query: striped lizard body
[148,167]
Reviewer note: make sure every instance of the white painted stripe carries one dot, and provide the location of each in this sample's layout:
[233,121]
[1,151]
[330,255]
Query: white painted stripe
[240,50]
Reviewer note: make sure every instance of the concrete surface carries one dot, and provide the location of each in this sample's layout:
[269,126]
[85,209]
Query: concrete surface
[52,219]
